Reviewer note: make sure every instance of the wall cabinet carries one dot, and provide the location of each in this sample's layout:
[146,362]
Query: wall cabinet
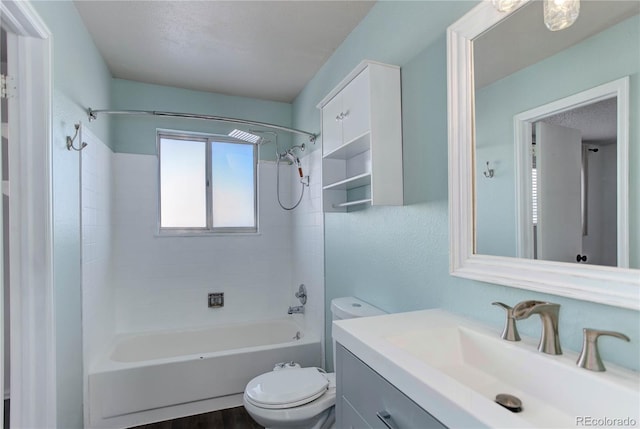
[366,400]
[362,139]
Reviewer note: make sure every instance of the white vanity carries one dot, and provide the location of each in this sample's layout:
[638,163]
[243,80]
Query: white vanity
[432,368]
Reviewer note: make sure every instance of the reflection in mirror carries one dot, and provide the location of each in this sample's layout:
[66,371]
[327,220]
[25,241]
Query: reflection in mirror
[574,204]
[567,199]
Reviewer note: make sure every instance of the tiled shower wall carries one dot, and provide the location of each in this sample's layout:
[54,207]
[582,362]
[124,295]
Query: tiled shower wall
[308,242]
[162,282]
[136,280]
[97,292]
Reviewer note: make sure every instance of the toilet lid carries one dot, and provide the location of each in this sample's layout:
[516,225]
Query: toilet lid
[286,388]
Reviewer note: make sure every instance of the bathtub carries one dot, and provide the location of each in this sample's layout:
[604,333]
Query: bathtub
[156,376]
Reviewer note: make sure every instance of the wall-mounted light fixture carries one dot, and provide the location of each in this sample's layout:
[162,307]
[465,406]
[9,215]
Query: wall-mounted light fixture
[505,5]
[558,14]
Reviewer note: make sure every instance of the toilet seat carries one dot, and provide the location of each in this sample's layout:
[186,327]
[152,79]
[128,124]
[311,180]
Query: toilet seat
[286,389]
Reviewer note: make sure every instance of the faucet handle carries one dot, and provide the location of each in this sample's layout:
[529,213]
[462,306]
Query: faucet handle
[510,331]
[302,294]
[590,356]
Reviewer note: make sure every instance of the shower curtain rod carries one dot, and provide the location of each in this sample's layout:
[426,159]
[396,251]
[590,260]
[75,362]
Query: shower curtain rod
[93,115]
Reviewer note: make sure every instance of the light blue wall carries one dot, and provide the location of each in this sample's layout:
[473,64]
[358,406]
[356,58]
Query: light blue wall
[80,78]
[542,83]
[137,134]
[397,257]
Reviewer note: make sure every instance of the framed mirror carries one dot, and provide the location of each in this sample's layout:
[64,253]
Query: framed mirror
[511,93]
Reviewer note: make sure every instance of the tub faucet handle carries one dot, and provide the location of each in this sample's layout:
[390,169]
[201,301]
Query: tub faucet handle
[590,356]
[510,331]
[302,294]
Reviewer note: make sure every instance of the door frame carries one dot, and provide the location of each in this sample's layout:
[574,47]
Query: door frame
[523,136]
[32,318]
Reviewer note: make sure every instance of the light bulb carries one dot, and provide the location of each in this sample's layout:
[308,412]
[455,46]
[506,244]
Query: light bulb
[560,14]
[505,5]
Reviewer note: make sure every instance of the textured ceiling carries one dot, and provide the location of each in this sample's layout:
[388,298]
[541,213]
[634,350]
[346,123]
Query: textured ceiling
[597,122]
[259,49]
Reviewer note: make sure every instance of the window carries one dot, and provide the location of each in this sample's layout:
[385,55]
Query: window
[207,183]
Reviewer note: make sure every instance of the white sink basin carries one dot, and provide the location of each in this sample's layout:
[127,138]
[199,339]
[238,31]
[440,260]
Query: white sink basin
[433,355]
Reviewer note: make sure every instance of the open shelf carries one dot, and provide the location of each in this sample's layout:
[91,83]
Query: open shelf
[350,182]
[352,148]
[352,203]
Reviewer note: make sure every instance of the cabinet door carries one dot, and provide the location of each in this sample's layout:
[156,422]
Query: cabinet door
[356,100]
[332,125]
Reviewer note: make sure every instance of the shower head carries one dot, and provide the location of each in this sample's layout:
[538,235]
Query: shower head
[289,156]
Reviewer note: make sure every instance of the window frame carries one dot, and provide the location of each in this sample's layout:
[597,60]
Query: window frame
[208,140]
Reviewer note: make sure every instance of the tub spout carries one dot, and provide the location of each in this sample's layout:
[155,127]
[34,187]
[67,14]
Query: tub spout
[548,312]
[299,309]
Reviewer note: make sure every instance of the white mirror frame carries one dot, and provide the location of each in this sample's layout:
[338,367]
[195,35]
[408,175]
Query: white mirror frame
[606,285]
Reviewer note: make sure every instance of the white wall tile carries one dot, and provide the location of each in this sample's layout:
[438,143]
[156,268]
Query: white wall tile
[307,242]
[162,282]
[97,291]
[135,280]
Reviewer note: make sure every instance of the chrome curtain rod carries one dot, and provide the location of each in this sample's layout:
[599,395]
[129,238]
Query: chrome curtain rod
[93,115]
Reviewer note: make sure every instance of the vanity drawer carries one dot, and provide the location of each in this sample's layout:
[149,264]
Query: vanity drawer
[370,395]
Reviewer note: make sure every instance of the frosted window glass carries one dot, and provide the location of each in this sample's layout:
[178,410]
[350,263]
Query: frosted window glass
[233,185]
[182,184]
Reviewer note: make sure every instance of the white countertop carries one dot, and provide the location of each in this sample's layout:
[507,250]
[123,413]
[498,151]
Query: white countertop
[420,353]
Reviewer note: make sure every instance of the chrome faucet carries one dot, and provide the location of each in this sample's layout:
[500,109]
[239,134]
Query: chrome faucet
[548,312]
[590,356]
[298,309]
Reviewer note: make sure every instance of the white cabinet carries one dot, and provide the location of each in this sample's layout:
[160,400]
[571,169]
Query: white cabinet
[362,139]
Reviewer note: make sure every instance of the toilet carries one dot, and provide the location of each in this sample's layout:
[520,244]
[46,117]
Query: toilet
[302,398]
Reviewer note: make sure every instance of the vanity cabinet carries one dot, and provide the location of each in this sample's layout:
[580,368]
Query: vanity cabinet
[363,398]
[362,139]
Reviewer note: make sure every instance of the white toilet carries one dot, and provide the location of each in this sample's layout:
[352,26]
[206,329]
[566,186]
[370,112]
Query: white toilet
[301,398]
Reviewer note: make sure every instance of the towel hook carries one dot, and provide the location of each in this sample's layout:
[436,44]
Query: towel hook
[70,140]
[489,172]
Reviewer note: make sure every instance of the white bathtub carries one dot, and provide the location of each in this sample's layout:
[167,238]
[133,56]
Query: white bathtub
[157,376]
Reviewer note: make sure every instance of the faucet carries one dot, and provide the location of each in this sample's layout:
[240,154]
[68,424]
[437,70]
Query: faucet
[298,309]
[590,356]
[548,312]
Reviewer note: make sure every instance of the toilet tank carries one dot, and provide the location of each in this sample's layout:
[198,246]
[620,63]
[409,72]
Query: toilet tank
[349,307]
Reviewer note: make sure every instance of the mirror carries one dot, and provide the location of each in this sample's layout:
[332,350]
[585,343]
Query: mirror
[510,221]
[567,209]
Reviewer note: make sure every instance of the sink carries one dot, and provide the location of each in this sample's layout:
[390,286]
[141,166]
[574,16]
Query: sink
[435,355]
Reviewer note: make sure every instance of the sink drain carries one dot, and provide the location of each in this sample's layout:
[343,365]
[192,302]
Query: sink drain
[510,402]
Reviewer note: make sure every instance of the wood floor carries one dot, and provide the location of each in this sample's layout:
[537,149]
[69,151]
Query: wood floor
[232,418]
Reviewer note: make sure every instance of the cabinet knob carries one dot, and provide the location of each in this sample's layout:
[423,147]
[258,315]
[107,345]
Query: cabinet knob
[342,115]
[581,258]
